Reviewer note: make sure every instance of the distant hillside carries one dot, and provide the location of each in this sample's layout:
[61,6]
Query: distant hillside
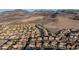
[49,18]
[22,14]
[13,15]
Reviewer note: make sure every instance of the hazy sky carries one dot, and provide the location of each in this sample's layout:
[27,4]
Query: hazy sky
[30,10]
[1,10]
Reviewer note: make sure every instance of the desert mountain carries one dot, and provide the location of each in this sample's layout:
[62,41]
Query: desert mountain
[55,18]
[13,15]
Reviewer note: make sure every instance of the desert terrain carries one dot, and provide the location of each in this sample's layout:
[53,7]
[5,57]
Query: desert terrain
[39,30]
